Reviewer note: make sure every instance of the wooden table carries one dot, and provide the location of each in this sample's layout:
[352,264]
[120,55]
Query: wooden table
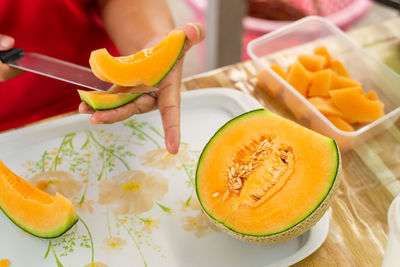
[358,232]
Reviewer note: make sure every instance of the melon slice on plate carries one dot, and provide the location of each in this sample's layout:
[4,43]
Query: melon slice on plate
[356,106]
[265,179]
[33,210]
[148,66]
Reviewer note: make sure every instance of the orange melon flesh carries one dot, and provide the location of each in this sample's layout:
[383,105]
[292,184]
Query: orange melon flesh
[322,51]
[104,101]
[321,83]
[4,263]
[299,78]
[371,95]
[325,106]
[33,210]
[296,193]
[312,63]
[339,82]
[356,106]
[279,71]
[340,123]
[148,66]
[338,67]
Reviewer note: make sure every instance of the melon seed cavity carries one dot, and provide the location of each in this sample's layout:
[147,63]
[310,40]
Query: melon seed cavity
[259,170]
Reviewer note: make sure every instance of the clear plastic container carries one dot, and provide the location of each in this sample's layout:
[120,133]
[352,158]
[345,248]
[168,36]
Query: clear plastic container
[283,47]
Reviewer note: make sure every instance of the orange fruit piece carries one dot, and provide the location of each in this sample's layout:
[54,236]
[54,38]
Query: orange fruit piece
[313,63]
[320,83]
[356,106]
[299,78]
[340,123]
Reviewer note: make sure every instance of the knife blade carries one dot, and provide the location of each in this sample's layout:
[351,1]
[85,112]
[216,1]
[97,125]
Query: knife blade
[64,71]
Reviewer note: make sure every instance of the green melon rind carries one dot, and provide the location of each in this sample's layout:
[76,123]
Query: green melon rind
[211,141]
[294,230]
[172,65]
[109,104]
[45,235]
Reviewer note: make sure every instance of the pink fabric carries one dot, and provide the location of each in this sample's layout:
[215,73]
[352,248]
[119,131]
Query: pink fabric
[64,29]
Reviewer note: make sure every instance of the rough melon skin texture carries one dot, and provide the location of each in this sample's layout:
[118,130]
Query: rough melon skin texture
[148,66]
[105,101]
[293,175]
[33,210]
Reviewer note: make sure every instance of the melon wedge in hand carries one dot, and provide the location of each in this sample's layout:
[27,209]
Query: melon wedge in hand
[33,210]
[148,66]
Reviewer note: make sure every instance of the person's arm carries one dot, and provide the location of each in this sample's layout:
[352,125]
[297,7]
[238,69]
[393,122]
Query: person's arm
[134,25]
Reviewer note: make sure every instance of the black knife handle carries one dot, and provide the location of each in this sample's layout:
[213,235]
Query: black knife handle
[12,55]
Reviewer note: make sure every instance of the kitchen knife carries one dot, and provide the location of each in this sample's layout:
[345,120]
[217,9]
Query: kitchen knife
[65,71]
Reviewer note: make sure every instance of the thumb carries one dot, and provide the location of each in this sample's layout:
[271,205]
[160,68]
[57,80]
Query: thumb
[6,42]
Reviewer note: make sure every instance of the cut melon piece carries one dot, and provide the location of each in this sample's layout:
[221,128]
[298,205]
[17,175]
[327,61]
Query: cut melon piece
[339,82]
[33,210]
[279,71]
[371,95]
[148,66]
[340,123]
[313,63]
[104,101]
[356,106]
[320,83]
[259,180]
[325,106]
[322,51]
[4,263]
[338,67]
[299,78]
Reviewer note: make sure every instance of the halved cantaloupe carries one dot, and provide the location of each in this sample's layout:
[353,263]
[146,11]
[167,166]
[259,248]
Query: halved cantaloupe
[259,180]
[33,210]
[148,66]
[299,78]
[320,83]
[312,63]
[104,101]
[356,106]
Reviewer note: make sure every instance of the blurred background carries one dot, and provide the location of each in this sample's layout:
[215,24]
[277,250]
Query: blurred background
[263,16]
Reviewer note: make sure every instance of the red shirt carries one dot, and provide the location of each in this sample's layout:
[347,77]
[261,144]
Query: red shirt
[64,29]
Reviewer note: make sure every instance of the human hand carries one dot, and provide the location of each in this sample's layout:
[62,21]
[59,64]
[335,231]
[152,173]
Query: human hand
[167,99]
[7,72]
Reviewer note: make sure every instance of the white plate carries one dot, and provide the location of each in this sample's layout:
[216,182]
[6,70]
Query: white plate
[164,235]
